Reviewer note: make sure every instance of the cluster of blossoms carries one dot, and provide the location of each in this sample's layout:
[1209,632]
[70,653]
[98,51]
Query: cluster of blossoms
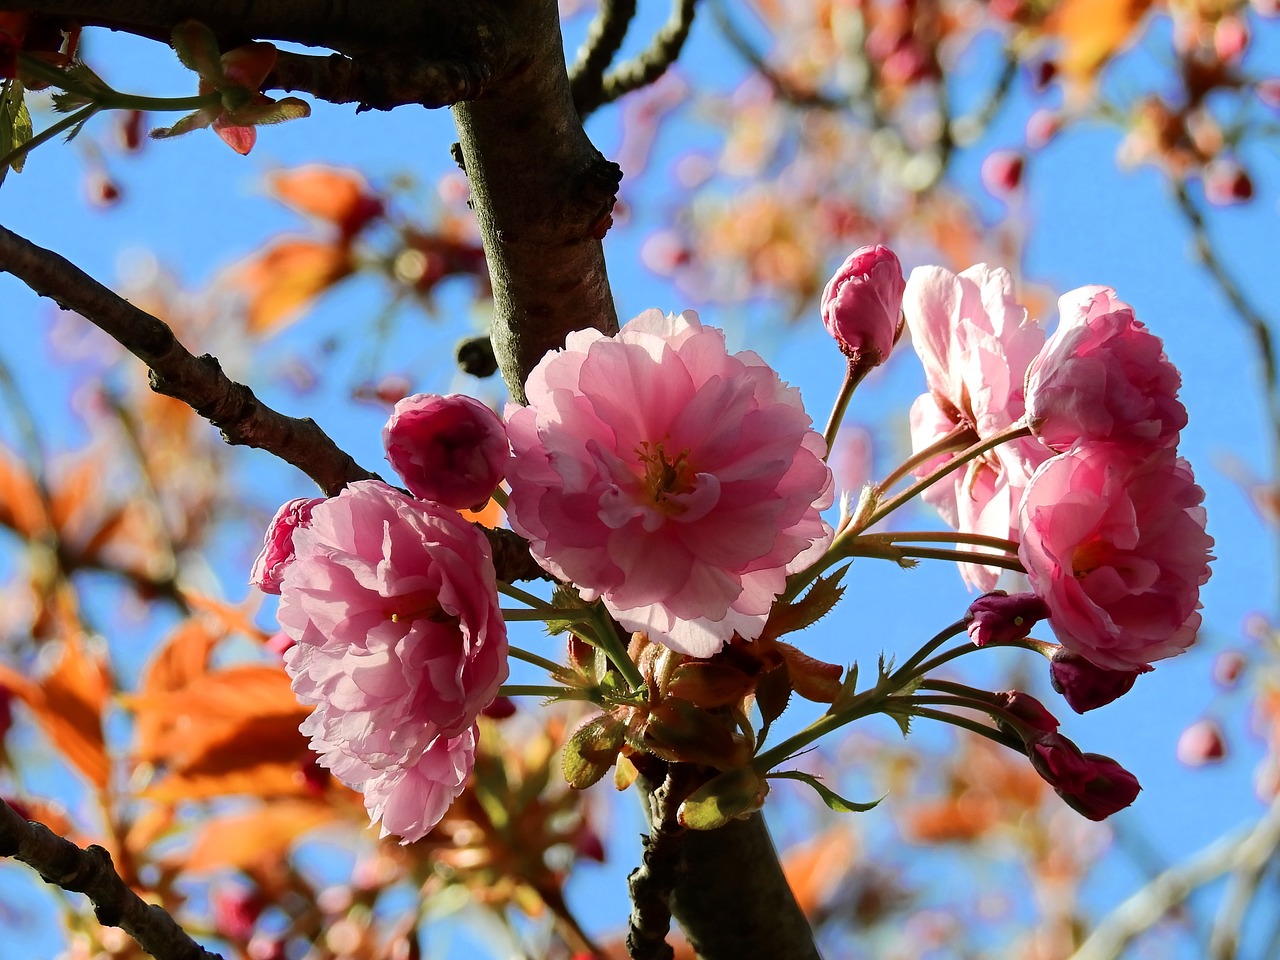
[679,490]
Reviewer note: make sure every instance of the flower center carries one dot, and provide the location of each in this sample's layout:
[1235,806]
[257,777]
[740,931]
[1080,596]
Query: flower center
[665,475]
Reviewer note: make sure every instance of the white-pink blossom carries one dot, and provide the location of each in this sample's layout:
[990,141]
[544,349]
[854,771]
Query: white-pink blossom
[975,342]
[277,544]
[1115,545]
[399,644]
[676,482]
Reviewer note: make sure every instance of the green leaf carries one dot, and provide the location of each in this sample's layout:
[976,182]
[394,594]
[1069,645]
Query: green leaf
[192,121]
[848,690]
[812,607]
[592,750]
[832,799]
[272,111]
[773,693]
[197,48]
[15,125]
[737,793]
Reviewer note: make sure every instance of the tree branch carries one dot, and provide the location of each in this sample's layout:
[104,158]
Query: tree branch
[379,82]
[604,37]
[543,196]
[197,381]
[653,63]
[651,884]
[91,872]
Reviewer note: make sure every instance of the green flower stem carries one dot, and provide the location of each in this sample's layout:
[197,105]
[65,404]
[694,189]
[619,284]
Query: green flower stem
[106,98]
[48,133]
[1016,432]
[515,593]
[853,375]
[607,639]
[542,614]
[500,495]
[549,665]
[863,705]
[890,551]
[1027,643]
[907,671]
[959,438]
[546,691]
[973,726]
[941,536]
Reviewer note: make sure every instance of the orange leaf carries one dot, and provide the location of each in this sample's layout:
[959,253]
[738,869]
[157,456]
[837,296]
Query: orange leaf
[490,515]
[255,839]
[340,197]
[1092,31]
[814,869]
[286,277]
[68,705]
[21,508]
[180,661]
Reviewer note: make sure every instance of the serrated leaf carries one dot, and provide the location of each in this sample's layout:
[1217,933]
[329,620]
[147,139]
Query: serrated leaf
[773,693]
[272,111]
[903,720]
[812,678]
[737,793]
[592,750]
[824,594]
[848,690]
[832,799]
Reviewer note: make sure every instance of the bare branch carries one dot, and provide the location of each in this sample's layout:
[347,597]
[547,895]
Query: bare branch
[197,381]
[379,82]
[90,871]
[653,63]
[604,37]
[1154,901]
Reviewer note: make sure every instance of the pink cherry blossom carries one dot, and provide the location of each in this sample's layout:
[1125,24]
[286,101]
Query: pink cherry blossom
[677,482]
[1103,377]
[277,547]
[451,449]
[862,304]
[1116,546]
[975,342]
[399,645]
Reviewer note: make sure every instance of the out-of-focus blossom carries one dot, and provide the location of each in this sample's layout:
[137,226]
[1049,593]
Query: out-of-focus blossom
[1002,172]
[1201,743]
[399,645]
[1227,667]
[1086,686]
[975,342]
[277,547]
[1093,785]
[1226,183]
[862,304]
[1116,546]
[677,482]
[451,449]
[1103,377]
[997,617]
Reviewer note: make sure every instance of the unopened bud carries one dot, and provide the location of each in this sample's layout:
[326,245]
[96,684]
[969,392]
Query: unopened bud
[1086,686]
[862,304]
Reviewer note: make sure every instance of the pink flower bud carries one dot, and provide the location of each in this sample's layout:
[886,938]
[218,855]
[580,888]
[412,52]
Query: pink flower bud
[1227,667]
[1042,126]
[235,911]
[1094,786]
[862,304]
[1028,711]
[1226,183]
[1230,39]
[277,548]
[452,450]
[1268,91]
[500,709]
[1002,172]
[1201,743]
[1085,686]
[996,617]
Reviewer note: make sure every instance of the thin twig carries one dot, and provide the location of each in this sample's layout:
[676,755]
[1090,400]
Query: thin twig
[604,38]
[654,61]
[197,381]
[782,87]
[1154,901]
[380,82]
[90,871]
